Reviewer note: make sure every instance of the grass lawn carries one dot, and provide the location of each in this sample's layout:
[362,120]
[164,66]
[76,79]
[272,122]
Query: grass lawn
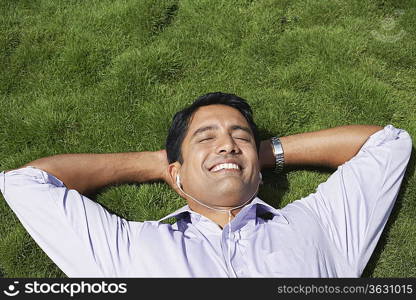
[107,76]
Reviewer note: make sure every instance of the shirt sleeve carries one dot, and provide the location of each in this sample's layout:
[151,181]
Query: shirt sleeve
[353,205]
[78,234]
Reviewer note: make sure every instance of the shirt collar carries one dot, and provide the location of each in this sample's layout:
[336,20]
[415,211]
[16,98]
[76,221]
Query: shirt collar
[178,213]
[254,208]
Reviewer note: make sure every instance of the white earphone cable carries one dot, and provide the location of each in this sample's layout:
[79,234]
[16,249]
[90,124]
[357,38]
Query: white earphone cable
[178,183]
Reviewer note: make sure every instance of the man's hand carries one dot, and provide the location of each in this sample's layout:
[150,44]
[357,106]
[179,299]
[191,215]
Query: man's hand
[266,157]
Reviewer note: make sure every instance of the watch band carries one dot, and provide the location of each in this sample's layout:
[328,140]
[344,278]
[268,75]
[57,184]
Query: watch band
[278,154]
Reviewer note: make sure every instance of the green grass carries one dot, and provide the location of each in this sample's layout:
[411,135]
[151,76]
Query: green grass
[107,76]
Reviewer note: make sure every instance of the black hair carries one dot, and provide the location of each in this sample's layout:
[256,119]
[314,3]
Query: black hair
[180,121]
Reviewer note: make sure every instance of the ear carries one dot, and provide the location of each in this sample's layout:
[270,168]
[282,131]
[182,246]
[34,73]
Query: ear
[173,170]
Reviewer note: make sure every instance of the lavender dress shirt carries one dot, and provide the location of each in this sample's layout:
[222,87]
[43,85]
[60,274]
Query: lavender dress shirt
[330,233]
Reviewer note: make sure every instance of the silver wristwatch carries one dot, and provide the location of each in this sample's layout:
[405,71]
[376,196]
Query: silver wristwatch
[278,154]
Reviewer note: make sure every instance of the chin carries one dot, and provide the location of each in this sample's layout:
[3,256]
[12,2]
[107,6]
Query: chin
[230,197]
[226,192]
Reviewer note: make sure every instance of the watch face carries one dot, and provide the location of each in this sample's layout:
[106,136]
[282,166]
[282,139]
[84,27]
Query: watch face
[278,154]
[277,146]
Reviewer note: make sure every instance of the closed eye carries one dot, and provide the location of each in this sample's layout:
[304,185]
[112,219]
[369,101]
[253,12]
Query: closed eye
[205,139]
[243,139]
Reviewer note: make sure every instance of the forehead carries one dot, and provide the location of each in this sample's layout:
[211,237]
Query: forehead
[216,114]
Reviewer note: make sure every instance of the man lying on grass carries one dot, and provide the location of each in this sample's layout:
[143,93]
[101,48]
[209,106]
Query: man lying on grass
[213,159]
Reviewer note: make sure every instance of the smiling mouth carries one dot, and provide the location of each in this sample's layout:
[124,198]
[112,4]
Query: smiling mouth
[230,167]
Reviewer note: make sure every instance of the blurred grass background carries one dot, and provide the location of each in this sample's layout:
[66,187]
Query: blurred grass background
[107,76]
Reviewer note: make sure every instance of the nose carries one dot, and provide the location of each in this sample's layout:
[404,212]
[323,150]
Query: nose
[226,145]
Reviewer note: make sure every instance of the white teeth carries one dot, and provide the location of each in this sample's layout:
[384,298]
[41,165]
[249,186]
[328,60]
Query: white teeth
[225,166]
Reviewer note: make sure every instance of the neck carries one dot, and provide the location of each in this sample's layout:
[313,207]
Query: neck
[221,217]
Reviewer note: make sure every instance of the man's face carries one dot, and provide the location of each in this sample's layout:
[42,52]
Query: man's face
[220,163]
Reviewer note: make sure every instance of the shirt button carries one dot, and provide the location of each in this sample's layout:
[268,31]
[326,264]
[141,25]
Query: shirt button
[236,236]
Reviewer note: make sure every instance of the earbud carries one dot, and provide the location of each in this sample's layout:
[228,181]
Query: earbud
[261,177]
[178,181]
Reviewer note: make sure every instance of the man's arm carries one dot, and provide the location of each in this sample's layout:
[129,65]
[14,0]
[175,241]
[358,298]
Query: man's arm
[328,148]
[353,204]
[81,236]
[88,172]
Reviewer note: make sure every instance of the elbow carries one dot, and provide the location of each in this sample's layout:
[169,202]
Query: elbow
[404,149]
[407,143]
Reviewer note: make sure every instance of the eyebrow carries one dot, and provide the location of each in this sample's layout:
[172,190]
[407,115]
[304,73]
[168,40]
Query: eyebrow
[215,127]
